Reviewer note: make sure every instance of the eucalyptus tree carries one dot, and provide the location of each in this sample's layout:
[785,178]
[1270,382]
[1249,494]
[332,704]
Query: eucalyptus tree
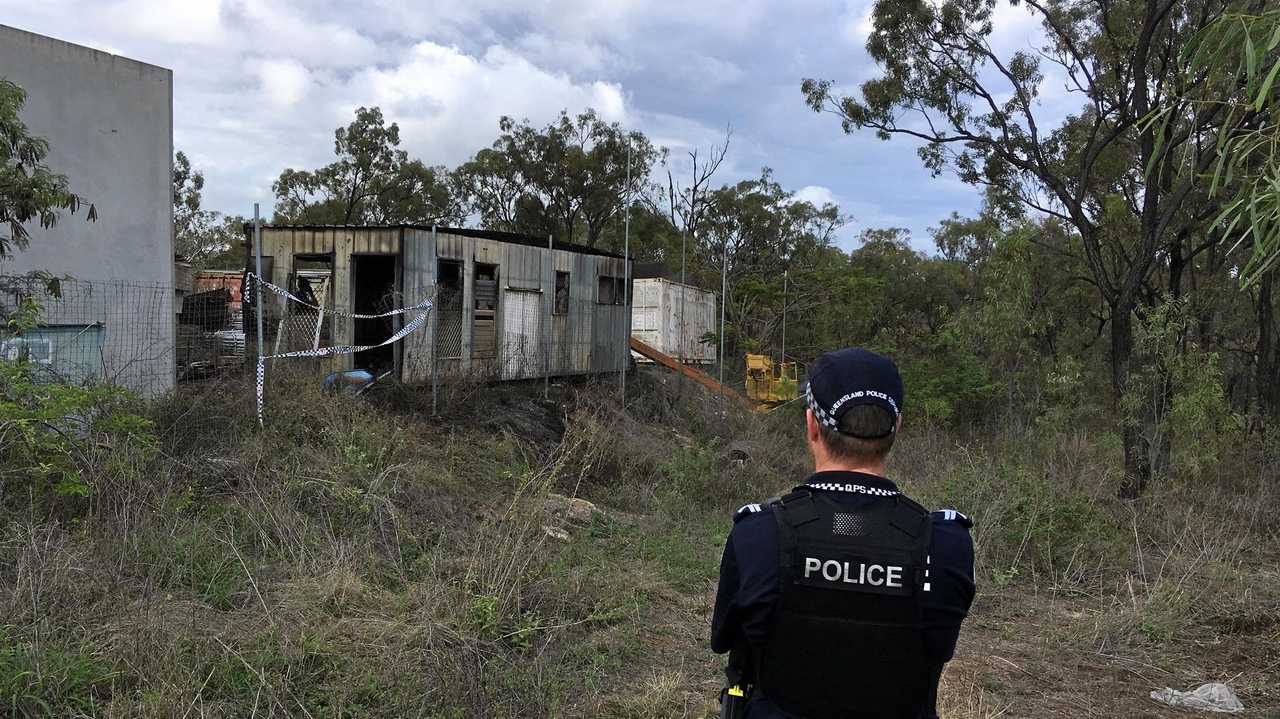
[570,178]
[1133,191]
[371,181]
[769,245]
[1236,60]
[202,236]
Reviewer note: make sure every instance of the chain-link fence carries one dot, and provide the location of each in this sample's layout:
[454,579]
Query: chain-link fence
[507,333]
[149,338]
[209,336]
[94,331]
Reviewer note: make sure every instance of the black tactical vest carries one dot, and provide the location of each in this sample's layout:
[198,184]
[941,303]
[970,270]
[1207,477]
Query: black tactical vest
[847,639]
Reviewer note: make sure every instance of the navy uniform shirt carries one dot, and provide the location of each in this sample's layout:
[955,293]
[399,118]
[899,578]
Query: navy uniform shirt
[749,578]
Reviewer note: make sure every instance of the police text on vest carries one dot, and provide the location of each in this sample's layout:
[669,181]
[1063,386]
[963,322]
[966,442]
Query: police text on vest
[875,575]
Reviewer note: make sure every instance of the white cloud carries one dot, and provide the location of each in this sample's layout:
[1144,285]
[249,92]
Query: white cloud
[284,82]
[274,27]
[260,85]
[711,73]
[1014,28]
[816,195]
[856,22]
[585,57]
[448,103]
[192,22]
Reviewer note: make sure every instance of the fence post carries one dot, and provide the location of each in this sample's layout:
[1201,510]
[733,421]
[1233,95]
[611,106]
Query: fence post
[626,286]
[546,316]
[257,296]
[435,326]
[724,298]
[257,307]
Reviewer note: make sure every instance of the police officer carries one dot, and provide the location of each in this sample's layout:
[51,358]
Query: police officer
[844,598]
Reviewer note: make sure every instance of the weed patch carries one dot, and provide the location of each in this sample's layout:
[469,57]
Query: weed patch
[51,678]
[357,558]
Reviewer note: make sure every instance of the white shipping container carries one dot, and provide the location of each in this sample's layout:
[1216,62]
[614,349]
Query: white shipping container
[655,319]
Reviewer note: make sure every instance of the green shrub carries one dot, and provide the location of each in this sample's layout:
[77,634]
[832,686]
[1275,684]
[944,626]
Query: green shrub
[947,382]
[57,436]
[54,678]
[1027,524]
[195,560]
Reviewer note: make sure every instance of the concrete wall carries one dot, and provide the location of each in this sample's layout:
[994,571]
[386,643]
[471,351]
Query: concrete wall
[109,123]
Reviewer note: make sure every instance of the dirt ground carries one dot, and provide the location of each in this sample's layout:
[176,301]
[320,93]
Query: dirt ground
[1023,655]
[1020,654]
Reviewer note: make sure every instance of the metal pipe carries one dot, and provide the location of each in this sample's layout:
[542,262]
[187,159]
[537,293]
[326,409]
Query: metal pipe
[435,326]
[257,298]
[724,297]
[546,316]
[684,241]
[784,316]
[626,284]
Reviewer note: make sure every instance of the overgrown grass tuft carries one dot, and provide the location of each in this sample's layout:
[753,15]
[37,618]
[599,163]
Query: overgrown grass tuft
[360,558]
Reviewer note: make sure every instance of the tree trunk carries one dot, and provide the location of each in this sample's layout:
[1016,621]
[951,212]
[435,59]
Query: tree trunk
[1268,358]
[1137,462]
[1177,265]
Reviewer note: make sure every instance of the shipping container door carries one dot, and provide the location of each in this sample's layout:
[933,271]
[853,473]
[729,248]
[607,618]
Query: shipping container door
[522,334]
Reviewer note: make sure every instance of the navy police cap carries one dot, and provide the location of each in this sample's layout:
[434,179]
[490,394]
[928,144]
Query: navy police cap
[850,377]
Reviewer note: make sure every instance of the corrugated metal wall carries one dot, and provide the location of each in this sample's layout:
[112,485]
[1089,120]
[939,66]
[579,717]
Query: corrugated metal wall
[656,319]
[284,244]
[589,337]
[419,282]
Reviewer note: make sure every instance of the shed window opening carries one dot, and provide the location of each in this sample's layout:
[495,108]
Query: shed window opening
[611,291]
[484,336]
[449,308]
[561,306]
[304,327]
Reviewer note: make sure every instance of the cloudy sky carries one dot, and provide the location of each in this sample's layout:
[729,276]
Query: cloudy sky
[259,85]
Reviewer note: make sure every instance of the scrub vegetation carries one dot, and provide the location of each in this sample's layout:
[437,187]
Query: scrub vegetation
[357,558]
[1091,366]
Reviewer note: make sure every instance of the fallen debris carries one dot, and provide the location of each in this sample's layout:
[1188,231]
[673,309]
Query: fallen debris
[572,508]
[1214,697]
[556,533]
[740,453]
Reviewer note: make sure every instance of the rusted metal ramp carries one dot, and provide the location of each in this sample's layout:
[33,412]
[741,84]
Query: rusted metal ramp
[702,378]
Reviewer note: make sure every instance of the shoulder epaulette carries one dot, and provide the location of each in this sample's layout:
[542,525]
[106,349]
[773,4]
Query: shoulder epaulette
[747,510]
[952,515]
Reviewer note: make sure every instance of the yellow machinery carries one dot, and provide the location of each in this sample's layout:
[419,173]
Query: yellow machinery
[769,382]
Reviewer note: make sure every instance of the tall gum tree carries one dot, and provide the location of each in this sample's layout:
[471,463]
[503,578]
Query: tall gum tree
[1132,189]
[371,181]
[570,178]
[1237,62]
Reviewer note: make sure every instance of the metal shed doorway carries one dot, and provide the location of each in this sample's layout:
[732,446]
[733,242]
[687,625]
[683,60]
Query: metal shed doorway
[522,355]
[374,291]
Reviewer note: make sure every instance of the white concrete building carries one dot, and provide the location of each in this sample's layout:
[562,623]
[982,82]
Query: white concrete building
[109,123]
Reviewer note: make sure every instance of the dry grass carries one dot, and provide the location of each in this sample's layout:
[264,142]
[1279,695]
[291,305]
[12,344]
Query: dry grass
[359,558]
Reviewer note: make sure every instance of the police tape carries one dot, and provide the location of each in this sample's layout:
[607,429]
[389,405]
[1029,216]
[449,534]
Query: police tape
[423,308]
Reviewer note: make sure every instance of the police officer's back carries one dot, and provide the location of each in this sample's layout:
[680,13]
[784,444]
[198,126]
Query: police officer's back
[844,598]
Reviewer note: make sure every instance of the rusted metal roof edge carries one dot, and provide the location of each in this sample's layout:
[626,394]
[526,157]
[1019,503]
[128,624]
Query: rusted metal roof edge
[514,238]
